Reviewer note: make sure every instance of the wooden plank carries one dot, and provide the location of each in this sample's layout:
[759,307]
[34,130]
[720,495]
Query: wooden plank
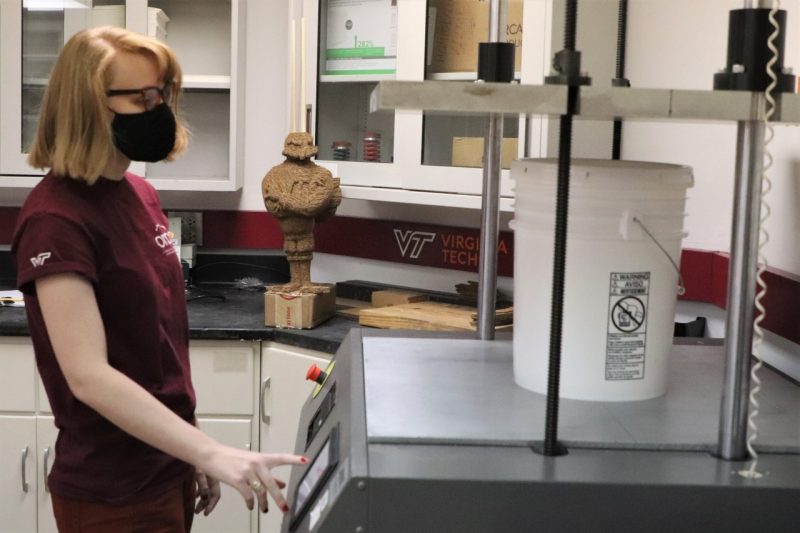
[502,317]
[351,313]
[431,316]
[396,297]
[347,308]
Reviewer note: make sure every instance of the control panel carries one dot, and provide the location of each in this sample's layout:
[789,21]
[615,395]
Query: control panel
[315,477]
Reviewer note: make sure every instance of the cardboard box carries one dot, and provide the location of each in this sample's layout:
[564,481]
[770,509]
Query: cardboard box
[468,152]
[299,311]
[458,27]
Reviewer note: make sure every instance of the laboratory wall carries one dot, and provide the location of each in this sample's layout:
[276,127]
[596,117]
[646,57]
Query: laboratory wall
[671,44]
[680,44]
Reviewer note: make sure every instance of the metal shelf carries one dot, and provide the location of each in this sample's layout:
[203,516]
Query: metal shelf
[595,102]
[385,194]
[460,76]
[203,82]
[354,78]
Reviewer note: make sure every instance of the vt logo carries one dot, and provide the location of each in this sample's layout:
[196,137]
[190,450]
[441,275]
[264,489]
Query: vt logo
[40,259]
[411,242]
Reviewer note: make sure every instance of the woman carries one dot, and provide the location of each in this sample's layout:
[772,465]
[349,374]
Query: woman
[105,301]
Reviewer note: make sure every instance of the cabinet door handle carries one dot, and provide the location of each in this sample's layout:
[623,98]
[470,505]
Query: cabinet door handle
[45,460]
[265,385]
[24,478]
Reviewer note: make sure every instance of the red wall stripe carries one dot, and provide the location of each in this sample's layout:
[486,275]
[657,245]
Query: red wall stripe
[696,269]
[705,273]
[719,279]
[782,302]
[241,229]
[8,219]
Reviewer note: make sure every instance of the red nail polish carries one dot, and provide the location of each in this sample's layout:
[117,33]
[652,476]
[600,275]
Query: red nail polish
[285,508]
[304,460]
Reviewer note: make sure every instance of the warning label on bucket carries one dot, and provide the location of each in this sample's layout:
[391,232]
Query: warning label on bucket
[627,325]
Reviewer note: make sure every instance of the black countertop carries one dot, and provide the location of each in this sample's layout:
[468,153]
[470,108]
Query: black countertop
[240,316]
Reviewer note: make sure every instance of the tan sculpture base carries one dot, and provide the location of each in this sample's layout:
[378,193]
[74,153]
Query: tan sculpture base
[299,310]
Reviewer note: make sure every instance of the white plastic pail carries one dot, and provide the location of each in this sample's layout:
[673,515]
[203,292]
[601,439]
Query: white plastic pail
[620,289]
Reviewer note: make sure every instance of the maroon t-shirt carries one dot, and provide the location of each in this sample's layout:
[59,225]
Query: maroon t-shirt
[115,235]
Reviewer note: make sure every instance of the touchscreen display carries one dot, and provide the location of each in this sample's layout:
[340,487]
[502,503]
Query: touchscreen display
[315,474]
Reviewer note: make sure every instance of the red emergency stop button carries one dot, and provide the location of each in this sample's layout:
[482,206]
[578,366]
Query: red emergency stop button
[315,373]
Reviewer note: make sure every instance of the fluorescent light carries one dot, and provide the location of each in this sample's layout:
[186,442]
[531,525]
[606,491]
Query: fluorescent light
[54,5]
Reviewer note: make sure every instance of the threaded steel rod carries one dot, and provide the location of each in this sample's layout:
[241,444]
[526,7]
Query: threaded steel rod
[559,274]
[622,30]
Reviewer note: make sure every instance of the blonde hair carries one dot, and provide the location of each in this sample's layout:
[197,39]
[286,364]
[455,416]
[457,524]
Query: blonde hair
[74,136]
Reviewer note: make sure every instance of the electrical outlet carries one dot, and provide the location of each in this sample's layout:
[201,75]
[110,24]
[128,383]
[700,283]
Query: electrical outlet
[191,226]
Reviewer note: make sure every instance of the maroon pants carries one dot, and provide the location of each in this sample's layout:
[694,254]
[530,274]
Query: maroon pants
[172,512]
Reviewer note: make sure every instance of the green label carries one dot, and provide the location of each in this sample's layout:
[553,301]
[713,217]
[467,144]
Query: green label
[343,53]
[357,72]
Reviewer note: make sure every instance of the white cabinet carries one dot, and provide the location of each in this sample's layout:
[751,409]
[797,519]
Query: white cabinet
[231,514]
[416,148]
[208,37]
[18,379]
[234,408]
[249,395]
[46,434]
[284,390]
[18,480]
[26,444]
[225,378]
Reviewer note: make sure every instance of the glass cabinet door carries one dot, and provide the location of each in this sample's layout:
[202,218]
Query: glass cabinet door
[33,33]
[356,47]
[42,39]
[204,35]
[46,26]
[207,36]
[449,151]
[454,29]
[346,130]
[424,158]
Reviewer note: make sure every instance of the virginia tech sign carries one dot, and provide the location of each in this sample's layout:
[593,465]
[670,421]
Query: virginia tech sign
[418,244]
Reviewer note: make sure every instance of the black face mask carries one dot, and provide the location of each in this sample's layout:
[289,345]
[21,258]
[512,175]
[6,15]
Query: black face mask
[147,136]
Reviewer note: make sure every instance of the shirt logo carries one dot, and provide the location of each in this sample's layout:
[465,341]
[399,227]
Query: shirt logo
[411,242]
[163,239]
[39,260]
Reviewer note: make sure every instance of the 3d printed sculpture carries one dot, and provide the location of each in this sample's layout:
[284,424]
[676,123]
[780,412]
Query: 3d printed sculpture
[298,192]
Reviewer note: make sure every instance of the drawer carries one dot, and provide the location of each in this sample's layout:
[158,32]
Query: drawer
[223,376]
[18,378]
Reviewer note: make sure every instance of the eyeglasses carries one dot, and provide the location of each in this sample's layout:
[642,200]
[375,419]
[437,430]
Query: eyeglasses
[150,96]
